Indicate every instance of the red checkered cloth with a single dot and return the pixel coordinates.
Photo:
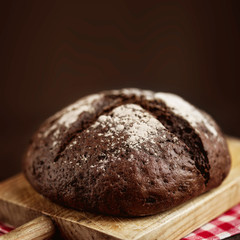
(226, 225)
(5, 228)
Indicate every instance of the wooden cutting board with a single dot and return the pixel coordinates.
(19, 203)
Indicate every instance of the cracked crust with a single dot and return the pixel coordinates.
(127, 152)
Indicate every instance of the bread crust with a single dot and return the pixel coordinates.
(127, 152)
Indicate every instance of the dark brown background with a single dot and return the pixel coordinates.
(52, 53)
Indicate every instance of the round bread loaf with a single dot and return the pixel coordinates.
(127, 152)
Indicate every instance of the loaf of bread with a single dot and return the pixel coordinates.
(127, 152)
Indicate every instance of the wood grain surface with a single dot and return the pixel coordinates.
(19, 203)
(38, 229)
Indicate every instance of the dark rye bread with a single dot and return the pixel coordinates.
(127, 152)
